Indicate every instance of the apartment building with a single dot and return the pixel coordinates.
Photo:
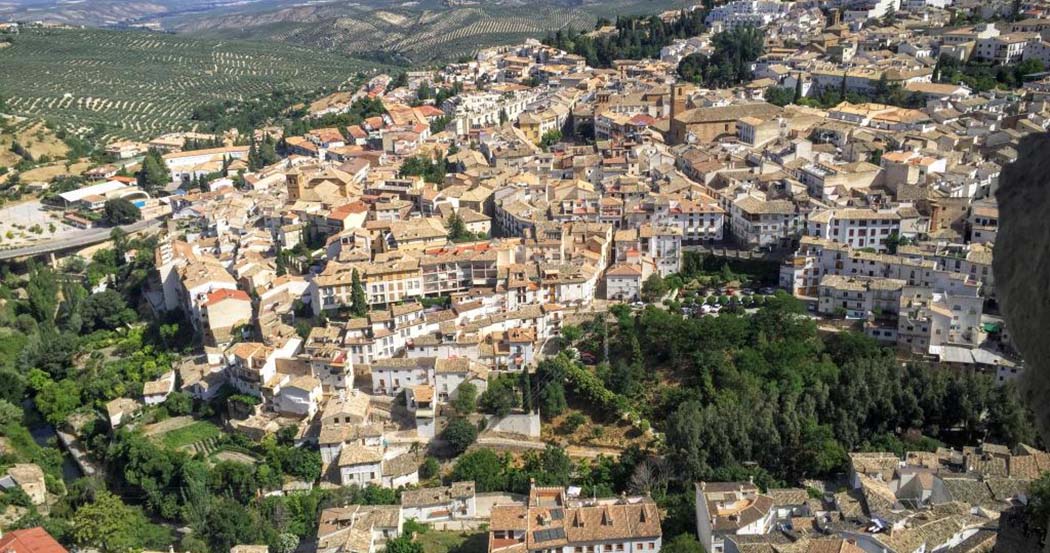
(857, 228)
(930, 319)
(859, 297)
(755, 222)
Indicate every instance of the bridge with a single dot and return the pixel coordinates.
(81, 239)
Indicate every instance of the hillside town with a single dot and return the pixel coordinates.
(364, 291)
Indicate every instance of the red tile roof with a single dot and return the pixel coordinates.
(224, 294)
(31, 540)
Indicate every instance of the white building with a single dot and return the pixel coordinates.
(747, 13)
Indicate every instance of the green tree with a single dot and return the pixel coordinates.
(779, 96)
(358, 299)
(430, 468)
(153, 174)
(403, 544)
(57, 400)
(466, 398)
(484, 467)
(120, 211)
(1038, 509)
(683, 543)
(500, 397)
(571, 333)
(110, 526)
(457, 229)
(653, 288)
(552, 399)
(550, 138)
(106, 310)
(460, 434)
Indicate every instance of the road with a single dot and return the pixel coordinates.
(84, 238)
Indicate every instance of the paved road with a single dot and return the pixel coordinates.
(83, 238)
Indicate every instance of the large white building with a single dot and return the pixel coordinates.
(747, 13)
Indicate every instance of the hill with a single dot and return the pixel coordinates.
(425, 32)
(138, 84)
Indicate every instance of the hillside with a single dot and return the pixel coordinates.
(36, 139)
(419, 33)
(139, 84)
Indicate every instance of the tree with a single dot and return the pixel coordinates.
(798, 89)
(110, 526)
(286, 543)
(460, 434)
(653, 288)
(683, 543)
(457, 229)
(430, 468)
(57, 400)
(230, 523)
(500, 397)
(42, 292)
(153, 174)
(571, 333)
(178, 403)
(1038, 509)
(552, 399)
(106, 310)
(466, 398)
(12, 385)
(120, 211)
(779, 95)
(358, 299)
(484, 467)
(550, 138)
(403, 544)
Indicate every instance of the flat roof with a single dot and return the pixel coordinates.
(100, 189)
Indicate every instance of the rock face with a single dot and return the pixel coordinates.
(1022, 266)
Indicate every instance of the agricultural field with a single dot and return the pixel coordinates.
(181, 432)
(139, 85)
(421, 33)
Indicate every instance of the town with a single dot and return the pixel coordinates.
(730, 291)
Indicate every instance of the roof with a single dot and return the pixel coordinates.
(734, 112)
(99, 189)
(30, 540)
(437, 496)
(225, 294)
(359, 455)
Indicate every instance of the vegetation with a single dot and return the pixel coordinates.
(460, 434)
(983, 76)
(635, 37)
(730, 64)
(120, 211)
(191, 434)
(142, 84)
(409, 34)
(432, 171)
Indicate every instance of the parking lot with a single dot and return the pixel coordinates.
(28, 222)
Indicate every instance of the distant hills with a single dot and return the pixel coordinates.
(413, 32)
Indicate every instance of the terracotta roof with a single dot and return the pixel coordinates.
(225, 294)
(31, 540)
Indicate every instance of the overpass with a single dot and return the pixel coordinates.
(79, 240)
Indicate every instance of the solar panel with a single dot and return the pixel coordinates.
(557, 533)
(557, 514)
